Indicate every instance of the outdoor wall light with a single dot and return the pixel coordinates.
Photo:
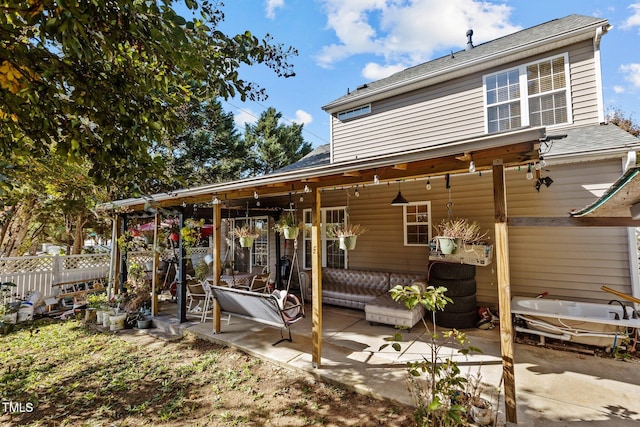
(399, 200)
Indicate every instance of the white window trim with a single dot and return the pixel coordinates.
(524, 91)
(323, 235)
(406, 223)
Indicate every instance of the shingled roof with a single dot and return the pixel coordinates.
(601, 140)
(557, 28)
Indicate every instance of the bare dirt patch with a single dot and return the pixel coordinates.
(78, 377)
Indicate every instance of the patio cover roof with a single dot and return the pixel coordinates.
(514, 147)
(618, 200)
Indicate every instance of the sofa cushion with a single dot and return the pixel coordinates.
(374, 281)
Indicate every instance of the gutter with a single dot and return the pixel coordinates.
(303, 175)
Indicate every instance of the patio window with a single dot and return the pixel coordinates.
(332, 256)
(354, 112)
(417, 223)
(259, 252)
(534, 94)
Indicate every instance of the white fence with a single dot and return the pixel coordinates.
(38, 273)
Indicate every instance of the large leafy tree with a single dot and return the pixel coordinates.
(274, 144)
(99, 81)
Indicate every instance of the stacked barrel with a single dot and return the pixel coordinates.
(460, 281)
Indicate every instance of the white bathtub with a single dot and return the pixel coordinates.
(586, 323)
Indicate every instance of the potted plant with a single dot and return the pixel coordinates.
(453, 233)
(228, 268)
(8, 312)
(95, 302)
(288, 226)
(190, 232)
(347, 233)
(246, 234)
(479, 409)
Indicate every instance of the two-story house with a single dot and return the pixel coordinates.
(546, 76)
(528, 105)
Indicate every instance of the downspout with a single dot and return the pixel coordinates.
(600, 31)
(632, 240)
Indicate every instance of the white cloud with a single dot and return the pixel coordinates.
(373, 71)
(302, 117)
(634, 19)
(618, 89)
(631, 73)
(408, 33)
(245, 116)
(272, 5)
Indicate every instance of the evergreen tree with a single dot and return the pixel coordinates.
(273, 144)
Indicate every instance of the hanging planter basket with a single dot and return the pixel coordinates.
(447, 245)
(246, 242)
(348, 243)
(290, 233)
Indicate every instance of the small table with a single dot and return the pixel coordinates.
(239, 280)
(385, 310)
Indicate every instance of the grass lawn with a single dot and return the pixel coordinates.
(55, 373)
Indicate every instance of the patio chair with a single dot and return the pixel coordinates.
(260, 283)
(200, 296)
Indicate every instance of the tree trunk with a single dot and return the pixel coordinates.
(78, 235)
(18, 228)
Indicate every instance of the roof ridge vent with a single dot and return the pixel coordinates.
(469, 41)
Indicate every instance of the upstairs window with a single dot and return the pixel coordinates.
(354, 112)
(535, 94)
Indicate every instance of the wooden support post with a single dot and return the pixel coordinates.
(504, 291)
(316, 282)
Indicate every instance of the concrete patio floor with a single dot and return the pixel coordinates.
(553, 388)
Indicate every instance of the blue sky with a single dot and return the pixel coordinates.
(345, 43)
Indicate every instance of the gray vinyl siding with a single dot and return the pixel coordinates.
(567, 262)
(450, 111)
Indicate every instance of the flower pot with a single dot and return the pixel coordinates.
(447, 246)
(143, 324)
(481, 415)
(10, 318)
(116, 322)
(106, 319)
(90, 315)
(348, 243)
(290, 233)
(246, 242)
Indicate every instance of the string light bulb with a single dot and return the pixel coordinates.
(529, 175)
(216, 201)
(472, 166)
(376, 180)
(542, 163)
(307, 189)
(429, 183)
(255, 195)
